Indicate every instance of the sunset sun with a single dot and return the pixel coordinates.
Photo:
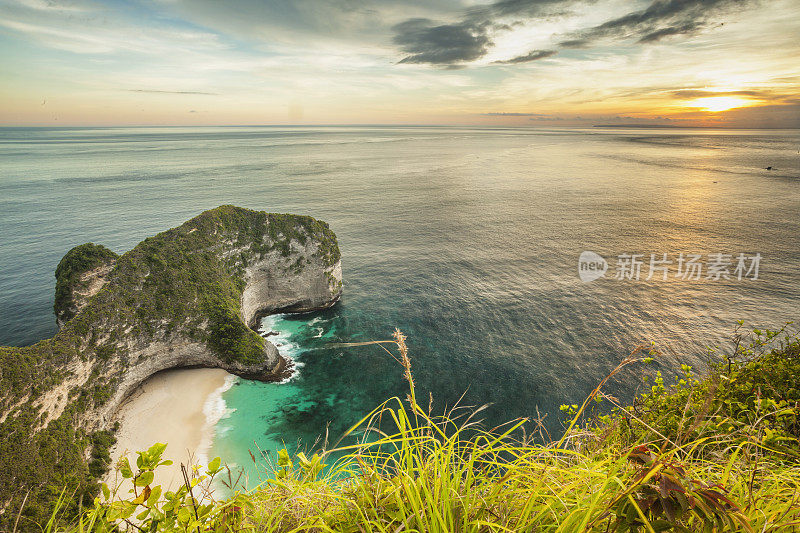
(719, 103)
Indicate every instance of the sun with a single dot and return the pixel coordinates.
(719, 103)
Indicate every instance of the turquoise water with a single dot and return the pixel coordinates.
(466, 239)
(279, 410)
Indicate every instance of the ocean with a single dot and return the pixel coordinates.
(467, 239)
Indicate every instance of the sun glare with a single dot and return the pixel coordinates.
(719, 103)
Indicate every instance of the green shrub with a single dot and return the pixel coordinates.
(750, 395)
(417, 472)
(75, 262)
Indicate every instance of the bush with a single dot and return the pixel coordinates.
(77, 261)
(749, 397)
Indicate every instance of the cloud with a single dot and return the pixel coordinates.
(155, 91)
(103, 32)
(500, 114)
(470, 38)
(773, 96)
(444, 44)
(533, 55)
(657, 35)
(662, 18)
(519, 9)
(702, 93)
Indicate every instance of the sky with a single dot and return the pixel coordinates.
(548, 63)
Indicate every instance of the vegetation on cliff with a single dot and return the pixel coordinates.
(182, 285)
(76, 262)
(713, 454)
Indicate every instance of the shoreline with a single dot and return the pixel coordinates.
(180, 407)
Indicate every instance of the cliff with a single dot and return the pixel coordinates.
(187, 297)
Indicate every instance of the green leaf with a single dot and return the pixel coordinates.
(145, 478)
(661, 525)
(283, 458)
(184, 515)
(128, 509)
(156, 450)
(155, 494)
(305, 464)
(125, 468)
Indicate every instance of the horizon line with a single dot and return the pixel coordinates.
(401, 125)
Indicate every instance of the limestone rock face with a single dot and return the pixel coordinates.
(273, 284)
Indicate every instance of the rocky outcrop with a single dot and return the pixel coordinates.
(80, 275)
(280, 263)
(190, 296)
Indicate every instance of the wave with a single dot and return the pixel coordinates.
(214, 410)
(281, 338)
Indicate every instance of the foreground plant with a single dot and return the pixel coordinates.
(411, 471)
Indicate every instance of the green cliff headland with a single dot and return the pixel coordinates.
(189, 296)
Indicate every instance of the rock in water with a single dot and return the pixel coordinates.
(189, 296)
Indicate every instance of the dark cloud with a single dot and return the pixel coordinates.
(657, 35)
(575, 43)
(523, 9)
(468, 39)
(702, 93)
(154, 91)
(444, 44)
(662, 18)
(530, 56)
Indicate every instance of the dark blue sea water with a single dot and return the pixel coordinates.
(466, 239)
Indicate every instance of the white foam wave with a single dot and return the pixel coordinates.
(281, 338)
(214, 410)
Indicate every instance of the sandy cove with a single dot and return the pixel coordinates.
(177, 407)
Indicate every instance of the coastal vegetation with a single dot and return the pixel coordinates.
(76, 262)
(714, 453)
(182, 287)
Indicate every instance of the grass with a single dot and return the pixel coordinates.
(412, 471)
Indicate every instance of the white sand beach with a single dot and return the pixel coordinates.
(179, 407)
